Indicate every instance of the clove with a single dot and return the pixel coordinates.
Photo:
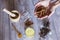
(28, 23)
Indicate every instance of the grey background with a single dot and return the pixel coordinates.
(26, 8)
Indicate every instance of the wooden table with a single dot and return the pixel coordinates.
(25, 6)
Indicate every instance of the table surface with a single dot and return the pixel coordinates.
(26, 7)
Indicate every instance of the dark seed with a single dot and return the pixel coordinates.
(46, 22)
(44, 32)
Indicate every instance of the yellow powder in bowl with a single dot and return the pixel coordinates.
(30, 32)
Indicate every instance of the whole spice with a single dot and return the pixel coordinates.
(44, 32)
(46, 22)
(41, 10)
(46, 29)
(28, 23)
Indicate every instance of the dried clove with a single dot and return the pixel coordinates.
(28, 23)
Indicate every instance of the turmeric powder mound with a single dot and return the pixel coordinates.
(29, 32)
(19, 35)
